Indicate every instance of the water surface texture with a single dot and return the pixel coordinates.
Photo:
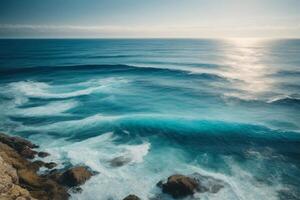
(228, 109)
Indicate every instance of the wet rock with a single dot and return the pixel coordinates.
(43, 154)
(179, 186)
(119, 161)
(50, 165)
(37, 164)
(16, 143)
(26, 152)
(75, 176)
(132, 197)
(160, 184)
(76, 189)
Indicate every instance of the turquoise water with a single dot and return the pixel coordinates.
(228, 109)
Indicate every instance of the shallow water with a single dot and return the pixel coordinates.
(228, 109)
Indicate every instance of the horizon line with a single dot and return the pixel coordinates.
(87, 38)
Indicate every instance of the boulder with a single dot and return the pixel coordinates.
(43, 154)
(26, 152)
(179, 186)
(36, 165)
(16, 143)
(29, 177)
(131, 197)
(119, 161)
(50, 165)
(75, 176)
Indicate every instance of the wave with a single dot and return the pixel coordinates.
(113, 56)
(22, 90)
(51, 109)
(188, 131)
(190, 71)
(42, 90)
(285, 100)
(156, 165)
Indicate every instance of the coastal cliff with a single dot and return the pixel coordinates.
(19, 177)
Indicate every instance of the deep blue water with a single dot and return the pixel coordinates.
(228, 109)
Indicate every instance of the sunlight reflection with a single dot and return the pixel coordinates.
(245, 66)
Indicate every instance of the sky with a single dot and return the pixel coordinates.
(149, 18)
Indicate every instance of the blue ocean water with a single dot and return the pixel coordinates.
(227, 109)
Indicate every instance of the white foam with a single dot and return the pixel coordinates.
(137, 152)
(23, 89)
(145, 170)
(43, 90)
(54, 108)
(72, 125)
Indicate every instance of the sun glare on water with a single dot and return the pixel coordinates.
(244, 61)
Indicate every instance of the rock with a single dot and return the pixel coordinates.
(29, 181)
(9, 188)
(179, 186)
(16, 143)
(160, 184)
(11, 157)
(29, 177)
(50, 165)
(119, 161)
(26, 152)
(43, 154)
(76, 189)
(75, 176)
(36, 165)
(19, 179)
(131, 197)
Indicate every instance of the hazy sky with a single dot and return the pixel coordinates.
(150, 18)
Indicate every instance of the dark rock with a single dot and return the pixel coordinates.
(27, 152)
(75, 176)
(43, 154)
(179, 186)
(16, 143)
(131, 197)
(50, 165)
(160, 184)
(119, 161)
(76, 189)
(36, 165)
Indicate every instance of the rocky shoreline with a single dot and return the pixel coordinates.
(20, 180)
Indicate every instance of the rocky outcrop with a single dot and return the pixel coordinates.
(132, 197)
(9, 183)
(179, 186)
(19, 177)
(43, 154)
(75, 176)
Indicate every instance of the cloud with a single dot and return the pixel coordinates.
(27, 30)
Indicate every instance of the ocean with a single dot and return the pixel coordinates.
(228, 109)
